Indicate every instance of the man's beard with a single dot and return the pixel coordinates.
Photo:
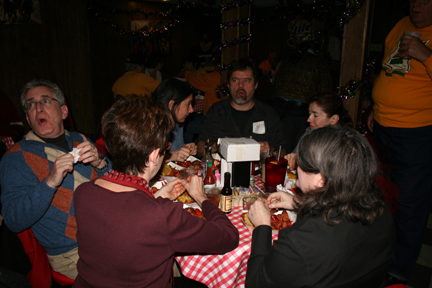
(241, 100)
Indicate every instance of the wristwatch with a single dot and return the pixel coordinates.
(102, 158)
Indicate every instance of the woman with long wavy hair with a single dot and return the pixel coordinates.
(344, 234)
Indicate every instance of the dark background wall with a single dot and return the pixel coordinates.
(85, 56)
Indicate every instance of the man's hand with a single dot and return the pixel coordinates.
(413, 47)
(89, 154)
(259, 213)
(171, 191)
(264, 146)
(61, 167)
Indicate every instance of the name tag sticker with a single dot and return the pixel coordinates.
(258, 127)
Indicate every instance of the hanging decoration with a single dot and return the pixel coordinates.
(234, 4)
(350, 89)
(236, 41)
(181, 5)
(324, 10)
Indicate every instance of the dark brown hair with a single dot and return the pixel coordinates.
(349, 168)
(132, 128)
(332, 104)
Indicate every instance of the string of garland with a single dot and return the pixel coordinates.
(138, 33)
(170, 11)
(236, 41)
(323, 10)
(349, 90)
(235, 4)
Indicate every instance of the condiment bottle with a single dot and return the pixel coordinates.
(210, 179)
(207, 158)
(226, 194)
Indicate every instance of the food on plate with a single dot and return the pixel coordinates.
(196, 212)
(278, 221)
(291, 174)
(185, 198)
(167, 170)
(188, 164)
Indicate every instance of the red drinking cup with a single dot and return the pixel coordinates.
(275, 173)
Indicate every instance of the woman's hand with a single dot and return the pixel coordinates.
(171, 191)
(195, 187)
(281, 200)
(180, 155)
(292, 160)
(259, 213)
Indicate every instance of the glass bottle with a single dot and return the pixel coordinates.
(207, 158)
(226, 194)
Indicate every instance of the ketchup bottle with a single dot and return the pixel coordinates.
(209, 179)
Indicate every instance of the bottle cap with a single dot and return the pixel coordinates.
(209, 164)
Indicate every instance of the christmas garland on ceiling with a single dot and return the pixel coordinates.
(324, 10)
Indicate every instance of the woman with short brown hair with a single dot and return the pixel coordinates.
(128, 237)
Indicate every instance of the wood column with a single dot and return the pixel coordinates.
(235, 52)
(352, 58)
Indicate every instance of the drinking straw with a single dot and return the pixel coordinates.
(279, 152)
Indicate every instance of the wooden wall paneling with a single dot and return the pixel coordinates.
(352, 56)
(235, 52)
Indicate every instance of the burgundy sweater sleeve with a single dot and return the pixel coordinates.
(192, 235)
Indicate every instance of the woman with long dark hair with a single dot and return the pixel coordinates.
(177, 97)
(344, 234)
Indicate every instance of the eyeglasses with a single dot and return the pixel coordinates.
(169, 146)
(421, 1)
(44, 102)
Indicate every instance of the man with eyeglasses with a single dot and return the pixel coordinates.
(402, 127)
(38, 175)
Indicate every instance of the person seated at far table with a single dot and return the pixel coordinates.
(325, 109)
(344, 234)
(130, 238)
(38, 175)
(135, 81)
(177, 97)
(242, 115)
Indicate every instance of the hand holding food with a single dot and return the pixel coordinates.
(292, 160)
(281, 200)
(171, 190)
(259, 213)
(195, 188)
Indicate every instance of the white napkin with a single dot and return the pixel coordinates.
(75, 153)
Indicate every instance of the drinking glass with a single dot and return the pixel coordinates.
(275, 173)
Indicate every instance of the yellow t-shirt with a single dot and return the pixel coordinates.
(402, 93)
(207, 83)
(135, 83)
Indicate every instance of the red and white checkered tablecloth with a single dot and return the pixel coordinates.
(222, 271)
(198, 105)
(7, 140)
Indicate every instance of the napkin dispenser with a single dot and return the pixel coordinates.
(237, 154)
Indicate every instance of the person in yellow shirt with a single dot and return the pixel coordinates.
(135, 81)
(206, 83)
(402, 126)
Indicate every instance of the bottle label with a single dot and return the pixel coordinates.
(226, 203)
(208, 186)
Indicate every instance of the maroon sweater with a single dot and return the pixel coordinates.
(129, 239)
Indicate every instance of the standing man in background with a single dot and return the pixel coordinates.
(402, 125)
